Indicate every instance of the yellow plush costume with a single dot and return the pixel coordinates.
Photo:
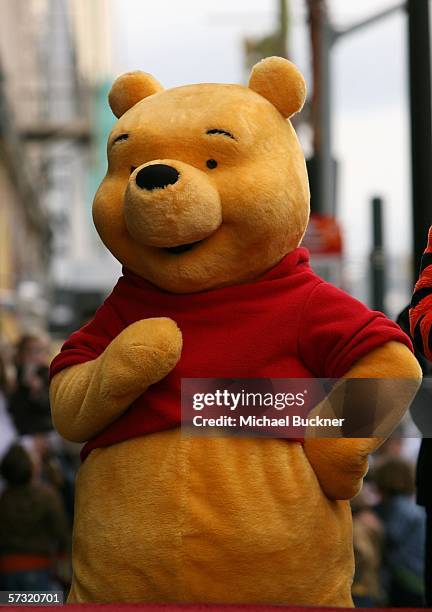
(161, 518)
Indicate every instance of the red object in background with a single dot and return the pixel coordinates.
(323, 235)
(323, 239)
(420, 313)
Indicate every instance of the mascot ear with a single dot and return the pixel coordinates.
(281, 83)
(130, 88)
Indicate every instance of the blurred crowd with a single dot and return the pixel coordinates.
(389, 530)
(37, 472)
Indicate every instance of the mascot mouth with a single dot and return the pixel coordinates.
(182, 248)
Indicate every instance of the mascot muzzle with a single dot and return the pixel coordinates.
(170, 204)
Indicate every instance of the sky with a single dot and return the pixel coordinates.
(190, 41)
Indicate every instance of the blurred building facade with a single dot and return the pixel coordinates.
(55, 60)
(24, 221)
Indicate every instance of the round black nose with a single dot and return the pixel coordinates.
(156, 176)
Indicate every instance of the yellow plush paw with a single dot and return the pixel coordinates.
(87, 397)
(145, 352)
(340, 464)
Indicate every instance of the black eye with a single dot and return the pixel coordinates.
(132, 169)
(211, 163)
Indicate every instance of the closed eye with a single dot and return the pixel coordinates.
(221, 132)
(120, 138)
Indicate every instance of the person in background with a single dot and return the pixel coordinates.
(29, 403)
(404, 532)
(33, 526)
(368, 537)
(419, 320)
(7, 429)
(57, 469)
(420, 312)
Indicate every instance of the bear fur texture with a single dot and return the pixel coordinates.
(207, 192)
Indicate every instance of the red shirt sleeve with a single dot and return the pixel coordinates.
(90, 341)
(337, 330)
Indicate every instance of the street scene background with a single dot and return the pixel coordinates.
(58, 59)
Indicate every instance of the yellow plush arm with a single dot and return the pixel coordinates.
(340, 464)
(85, 398)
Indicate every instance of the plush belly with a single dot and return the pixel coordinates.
(163, 518)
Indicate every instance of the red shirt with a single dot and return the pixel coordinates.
(288, 324)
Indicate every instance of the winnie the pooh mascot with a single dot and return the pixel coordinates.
(205, 203)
